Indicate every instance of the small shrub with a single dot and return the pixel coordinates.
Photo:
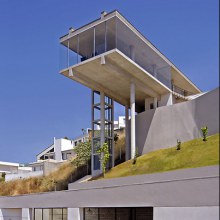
(178, 147)
(204, 133)
(104, 156)
(3, 176)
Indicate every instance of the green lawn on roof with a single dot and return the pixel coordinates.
(195, 153)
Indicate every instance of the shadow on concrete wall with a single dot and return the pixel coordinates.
(160, 128)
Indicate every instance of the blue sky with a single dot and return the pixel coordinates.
(36, 103)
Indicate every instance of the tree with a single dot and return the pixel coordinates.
(116, 137)
(104, 156)
(83, 154)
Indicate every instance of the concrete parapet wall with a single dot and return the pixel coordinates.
(182, 188)
(11, 214)
(161, 127)
(50, 167)
(10, 177)
(186, 213)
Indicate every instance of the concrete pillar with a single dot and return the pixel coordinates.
(127, 151)
(146, 104)
(132, 103)
(155, 102)
(74, 214)
(26, 213)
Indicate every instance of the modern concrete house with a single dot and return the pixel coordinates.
(119, 64)
(110, 56)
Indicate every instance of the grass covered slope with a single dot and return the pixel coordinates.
(195, 153)
(58, 180)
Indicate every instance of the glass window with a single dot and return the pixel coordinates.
(111, 34)
(100, 46)
(86, 44)
(106, 213)
(57, 214)
(91, 213)
(50, 214)
(96, 162)
(47, 214)
(38, 214)
(123, 213)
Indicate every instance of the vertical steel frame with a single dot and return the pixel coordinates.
(102, 129)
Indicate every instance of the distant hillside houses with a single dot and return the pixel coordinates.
(51, 157)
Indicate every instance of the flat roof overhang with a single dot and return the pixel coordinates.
(178, 77)
(112, 72)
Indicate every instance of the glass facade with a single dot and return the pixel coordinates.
(145, 213)
(112, 34)
(50, 214)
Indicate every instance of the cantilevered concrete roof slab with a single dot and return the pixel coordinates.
(112, 73)
(120, 88)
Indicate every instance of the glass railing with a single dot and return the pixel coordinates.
(112, 34)
(181, 91)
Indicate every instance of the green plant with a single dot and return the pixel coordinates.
(204, 133)
(2, 179)
(83, 154)
(104, 156)
(135, 156)
(178, 147)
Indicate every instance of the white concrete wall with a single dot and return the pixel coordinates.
(66, 144)
(121, 121)
(10, 214)
(186, 213)
(6, 168)
(75, 214)
(10, 177)
(57, 150)
(166, 100)
(24, 169)
(26, 214)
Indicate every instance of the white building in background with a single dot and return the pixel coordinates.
(47, 161)
(14, 170)
(119, 124)
(11, 168)
(62, 148)
(60, 151)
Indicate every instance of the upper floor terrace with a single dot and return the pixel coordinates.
(113, 41)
